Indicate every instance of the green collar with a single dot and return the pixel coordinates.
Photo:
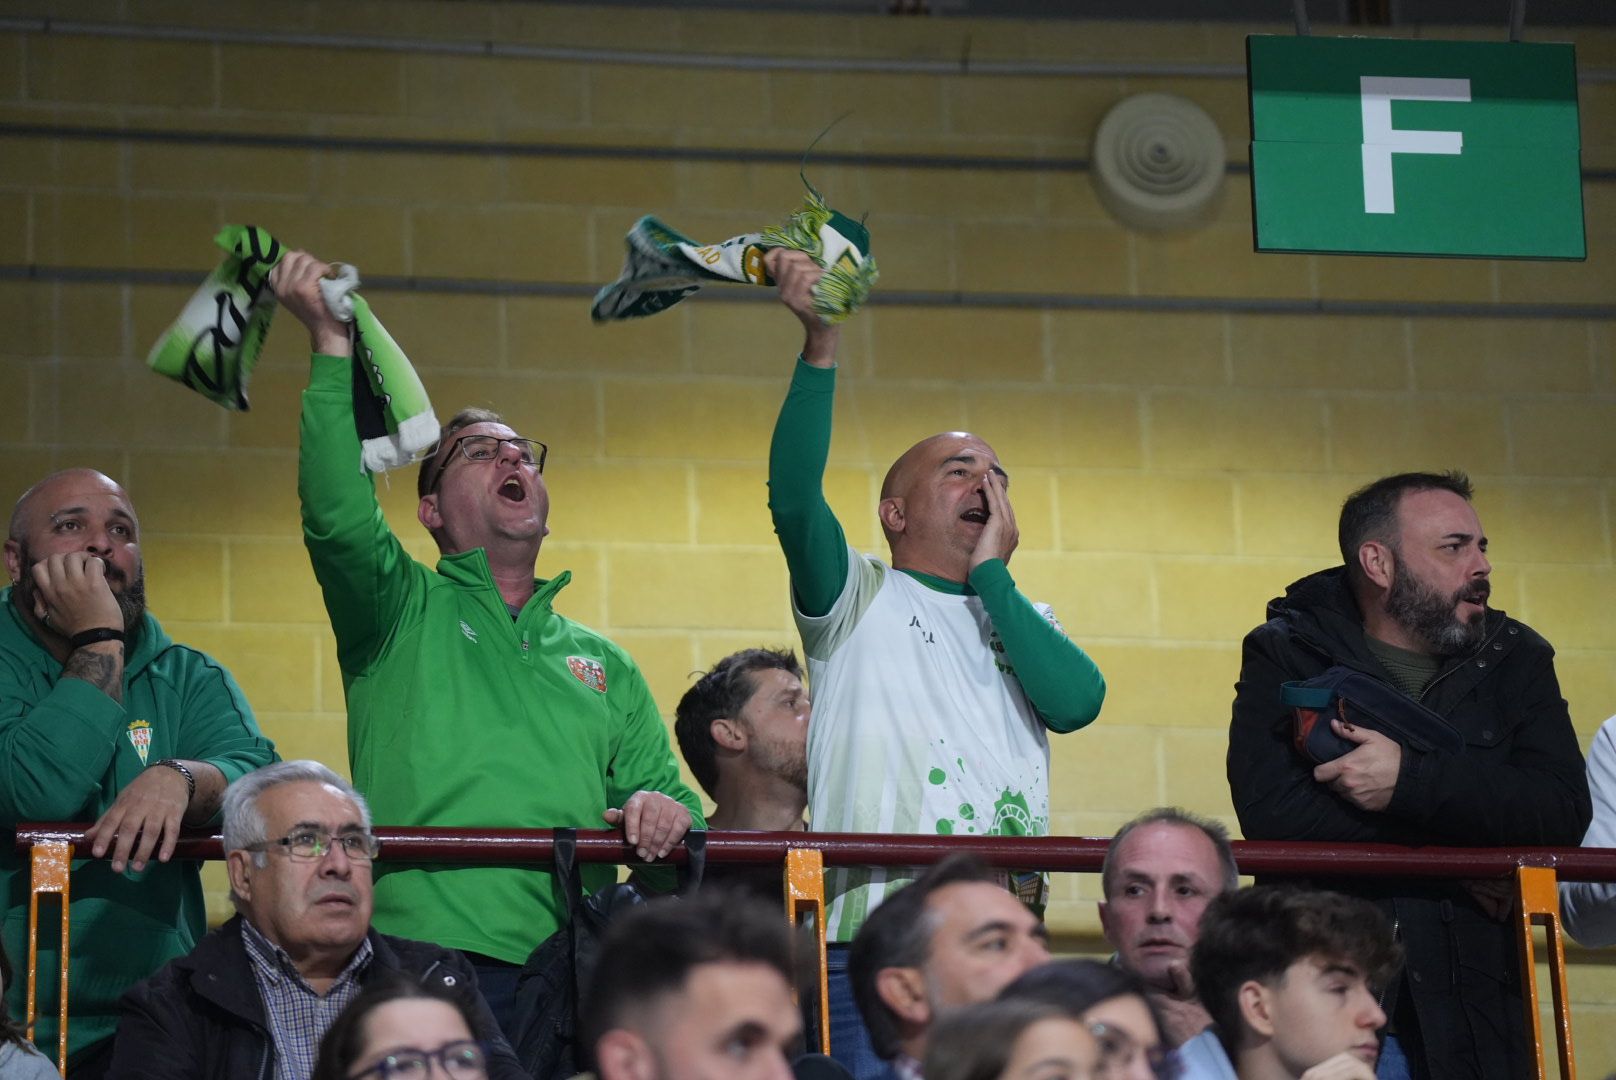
(942, 585)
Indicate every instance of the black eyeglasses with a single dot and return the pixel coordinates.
(306, 845)
(462, 1059)
(486, 448)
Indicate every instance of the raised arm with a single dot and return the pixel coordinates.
(811, 537)
(361, 566)
(1062, 682)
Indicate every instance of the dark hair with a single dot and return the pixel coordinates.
(1259, 932)
(898, 934)
(976, 1042)
(1172, 815)
(719, 694)
(344, 1041)
(1370, 513)
(650, 951)
(1078, 985)
(428, 475)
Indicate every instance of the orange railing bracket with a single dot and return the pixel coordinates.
(1540, 903)
(50, 861)
(805, 907)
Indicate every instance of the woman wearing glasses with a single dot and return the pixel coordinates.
(399, 1030)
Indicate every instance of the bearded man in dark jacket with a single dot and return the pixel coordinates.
(1409, 608)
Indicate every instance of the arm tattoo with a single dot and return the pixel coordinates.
(101, 670)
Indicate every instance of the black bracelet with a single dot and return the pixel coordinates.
(180, 767)
(93, 637)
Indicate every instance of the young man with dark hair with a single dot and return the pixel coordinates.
(1291, 979)
(743, 730)
(696, 987)
(954, 936)
(1409, 610)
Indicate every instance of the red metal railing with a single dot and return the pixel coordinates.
(1535, 871)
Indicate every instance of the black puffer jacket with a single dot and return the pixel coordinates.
(1520, 780)
(201, 1016)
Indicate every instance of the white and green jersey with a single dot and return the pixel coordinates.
(920, 725)
(931, 697)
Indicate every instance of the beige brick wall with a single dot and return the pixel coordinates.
(1174, 469)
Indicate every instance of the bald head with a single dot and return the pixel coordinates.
(68, 515)
(66, 481)
(934, 508)
(901, 477)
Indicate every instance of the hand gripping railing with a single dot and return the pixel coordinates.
(805, 855)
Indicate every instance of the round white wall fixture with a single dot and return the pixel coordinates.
(1157, 162)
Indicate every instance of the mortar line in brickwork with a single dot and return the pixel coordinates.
(488, 48)
(1238, 305)
(499, 148)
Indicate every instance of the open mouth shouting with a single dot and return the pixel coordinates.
(976, 515)
(512, 490)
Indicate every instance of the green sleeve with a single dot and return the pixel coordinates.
(1060, 680)
(362, 568)
(219, 725)
(55, 749)
(810, 536)
(643, 761)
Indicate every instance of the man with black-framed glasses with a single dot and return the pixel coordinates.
(471, 700)
(255, 996)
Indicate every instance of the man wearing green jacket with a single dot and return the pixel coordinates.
(103, 717)
(471, 701)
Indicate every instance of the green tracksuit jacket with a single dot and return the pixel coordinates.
(66, 751)
(459, 715)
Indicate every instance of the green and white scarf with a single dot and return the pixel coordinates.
(214, 344)
(663, 266)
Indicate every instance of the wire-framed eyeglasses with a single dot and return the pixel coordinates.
(308, 844)
(476, 448)
(463, 1059)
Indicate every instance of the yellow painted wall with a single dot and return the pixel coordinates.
(1173, 470)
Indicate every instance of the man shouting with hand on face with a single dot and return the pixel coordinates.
(103, 717)
(935, 680)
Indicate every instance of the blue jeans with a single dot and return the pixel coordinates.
(849, 1039)
(496, 979)
(1393, 1063)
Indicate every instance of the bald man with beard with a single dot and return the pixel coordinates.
(935, 680)
(103, 717)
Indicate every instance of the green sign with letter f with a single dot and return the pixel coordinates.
(1375, 146)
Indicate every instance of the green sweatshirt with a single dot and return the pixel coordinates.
(66, 751)
(460, 716)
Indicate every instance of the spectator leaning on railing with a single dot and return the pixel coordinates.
(471, 700)
(103, 716)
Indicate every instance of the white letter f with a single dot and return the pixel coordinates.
(1381, 140)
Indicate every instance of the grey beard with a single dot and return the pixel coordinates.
(1428, 615)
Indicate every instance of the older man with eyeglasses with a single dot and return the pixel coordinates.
(471, 700)
(255, 996)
